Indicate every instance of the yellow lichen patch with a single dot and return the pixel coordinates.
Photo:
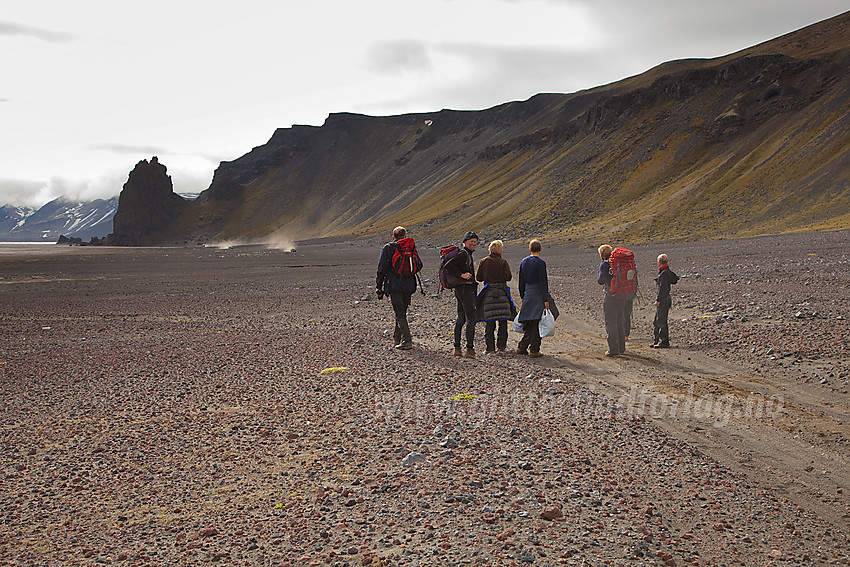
(463, 397)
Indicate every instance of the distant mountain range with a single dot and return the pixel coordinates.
(752, 143)
(60, 217)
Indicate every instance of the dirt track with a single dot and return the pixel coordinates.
(169, 406)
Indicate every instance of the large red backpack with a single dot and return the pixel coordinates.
(624, 282)
(405, 260)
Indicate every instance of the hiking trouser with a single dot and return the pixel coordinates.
(401, 301)
(530, 336)
(627, 314)
(615, 323)
(660, 326)
(465, 295)
(490, 335)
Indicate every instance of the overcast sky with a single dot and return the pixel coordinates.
(90, 87)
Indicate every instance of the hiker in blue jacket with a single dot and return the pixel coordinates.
(399, 287)
(614, 307)
(534, 291)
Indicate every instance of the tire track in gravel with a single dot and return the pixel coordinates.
(773, 430)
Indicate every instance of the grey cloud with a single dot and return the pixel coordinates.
(679, 29)
(10, 28)
(22, 192)
(502, 74)
(400, 56)
(127, 149)
(143, 150)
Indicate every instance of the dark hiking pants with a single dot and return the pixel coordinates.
(530, 336)
(465, 295)
(490, 338)
(660, 326)
(401, 301)
(615, 323)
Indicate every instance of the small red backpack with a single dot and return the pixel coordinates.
(405, 260)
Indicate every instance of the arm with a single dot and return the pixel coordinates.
(506, 272)
(604, 273)
(479, 275)
(544, 282)
(383, 271)
(522, 277)
(461, 266)
(663, 286)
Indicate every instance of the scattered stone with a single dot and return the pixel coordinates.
(413, 458)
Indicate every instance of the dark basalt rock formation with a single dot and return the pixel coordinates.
(147, 206)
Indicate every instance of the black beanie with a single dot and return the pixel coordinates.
(469, 236)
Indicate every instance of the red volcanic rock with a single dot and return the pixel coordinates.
(208, 532)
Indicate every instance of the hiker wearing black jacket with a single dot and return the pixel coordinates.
(399, 287)
(463, 268)
(663, 302)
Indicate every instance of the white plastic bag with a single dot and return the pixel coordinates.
(547, 324)
(517, 325)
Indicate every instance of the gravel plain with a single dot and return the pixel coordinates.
(243, 406)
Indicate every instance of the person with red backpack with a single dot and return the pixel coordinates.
(398, 267)
(618, 277)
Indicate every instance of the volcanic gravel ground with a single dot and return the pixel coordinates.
(245, 407)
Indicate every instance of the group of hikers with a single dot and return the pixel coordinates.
(398, 272)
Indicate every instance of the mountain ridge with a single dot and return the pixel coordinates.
(59, 217)
(750, 143)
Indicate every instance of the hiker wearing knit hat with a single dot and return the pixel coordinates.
(462, 269)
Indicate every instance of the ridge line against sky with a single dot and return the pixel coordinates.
(91, 87)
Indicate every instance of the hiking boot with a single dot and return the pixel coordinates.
(501, 350)
(470, 353)
(535, 354)
(609, 353)
(489, 352)
(521, 351)
(405, 345)
(457, 352)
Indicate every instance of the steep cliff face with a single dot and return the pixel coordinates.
(754, 142)
(147, 207)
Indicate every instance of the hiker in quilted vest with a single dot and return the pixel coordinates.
(494, 304)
